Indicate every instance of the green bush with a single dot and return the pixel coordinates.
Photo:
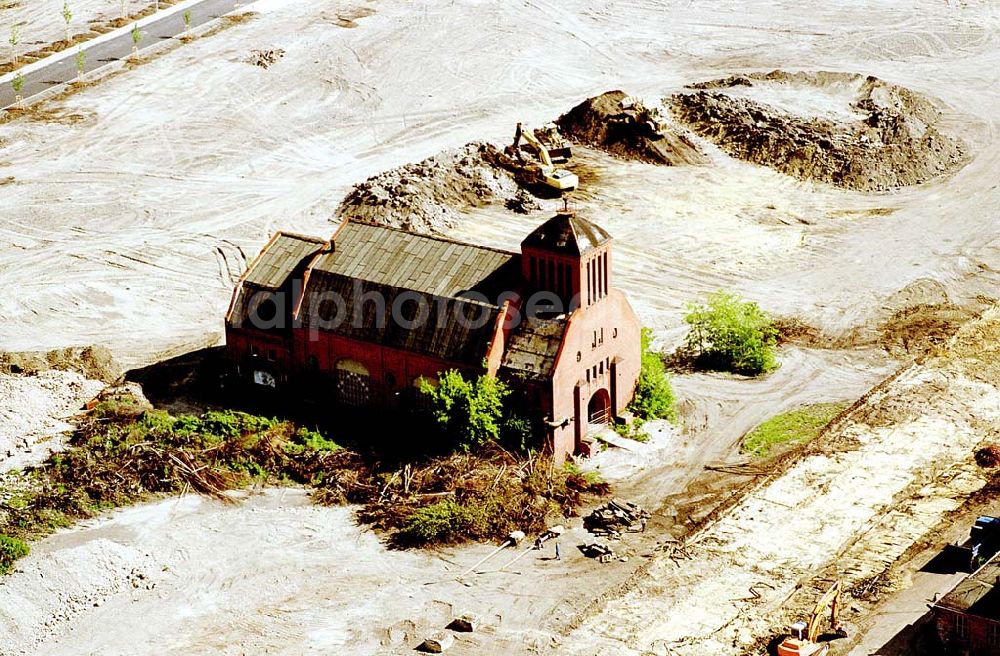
(304, 439)
(468, 412)
(730, 334)
(654, 396)
(442, 522)
(10, 550)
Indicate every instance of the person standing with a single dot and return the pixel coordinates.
(557, 551)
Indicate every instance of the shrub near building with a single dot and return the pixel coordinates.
(731, 334)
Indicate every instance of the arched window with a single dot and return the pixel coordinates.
(353, 384)
(421, 399)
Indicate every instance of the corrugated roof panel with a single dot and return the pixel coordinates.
(443, 335)
(279, 259)
(426, 264)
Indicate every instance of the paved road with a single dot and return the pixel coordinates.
(111, 50)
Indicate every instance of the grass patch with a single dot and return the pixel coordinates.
(789, 429)
(10, 550)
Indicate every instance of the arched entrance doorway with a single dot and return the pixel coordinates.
(599, 407)
(353, 384)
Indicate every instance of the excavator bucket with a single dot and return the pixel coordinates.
(560, 155)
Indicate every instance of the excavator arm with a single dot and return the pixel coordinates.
(543, 153)
(830, 598)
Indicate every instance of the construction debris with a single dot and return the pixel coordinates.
(602, 552)
(264, 58)
(438, 642)
(467, 623)
(616, 517)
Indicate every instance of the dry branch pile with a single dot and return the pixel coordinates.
(264, 58)
(124, 451)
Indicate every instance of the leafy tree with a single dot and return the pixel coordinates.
(136, 38)
(81, 61)
(469, 412)
(654, 396)
(731, 334)
(15, 37)
(67, 16)
(17, 83)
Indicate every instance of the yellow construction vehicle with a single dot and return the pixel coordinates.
(559, 179)
(804, 635)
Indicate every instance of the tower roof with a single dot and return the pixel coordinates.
(567, 233)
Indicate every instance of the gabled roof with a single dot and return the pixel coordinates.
(279, 259)
(567, 233)
(431, 265)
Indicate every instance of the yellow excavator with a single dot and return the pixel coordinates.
(559, 179)
(804, 635)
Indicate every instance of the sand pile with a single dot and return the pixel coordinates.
(44, 593)
(94, 362)
(35, 407)
(618, 124)
(844, 129)
(431, 195)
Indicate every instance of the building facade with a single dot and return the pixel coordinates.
(967, 618)
(370, 313)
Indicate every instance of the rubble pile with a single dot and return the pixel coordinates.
(601, 552)
(622, 126)
(616, 517)
(264, 58)
(430, 196)
(886, 137)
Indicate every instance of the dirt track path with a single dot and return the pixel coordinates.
(126, 226)
(884, 478)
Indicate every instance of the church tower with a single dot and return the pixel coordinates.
(570, 257)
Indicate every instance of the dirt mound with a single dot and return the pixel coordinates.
(33, 408)
(848, 130)
(93, 362)
(921, 328)
(615, 123)
(429, 196)
(988, 456)
(49, 592)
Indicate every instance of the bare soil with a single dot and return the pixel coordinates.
(431, 196)
(604, 123)
(875, 135)
(93, 362)
(130, 227)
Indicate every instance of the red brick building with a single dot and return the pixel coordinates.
(967, 619)
(373, 310)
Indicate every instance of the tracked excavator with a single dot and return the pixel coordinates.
(558, 179)
(803, 640)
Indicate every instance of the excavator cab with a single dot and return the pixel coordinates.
(803, 640)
